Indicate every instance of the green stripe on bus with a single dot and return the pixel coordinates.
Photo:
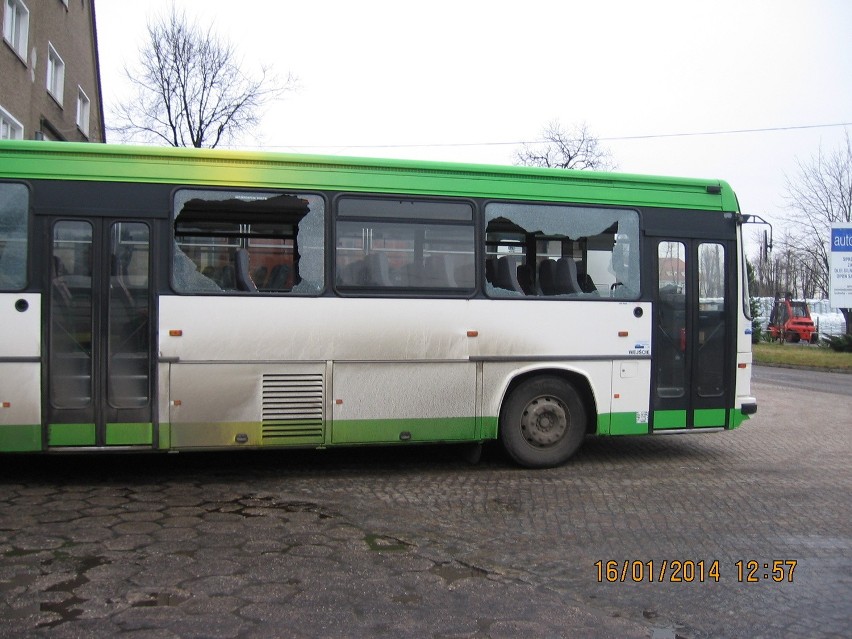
(627, 424)
(489, 428)
(71, 435)
(164, 437)
(20, 438)
(664, 419)
(436, 429)
(737, 418)
(129, 434)
(603, 424)
(710, 417)
(211, 167)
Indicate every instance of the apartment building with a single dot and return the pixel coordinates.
(50, 86)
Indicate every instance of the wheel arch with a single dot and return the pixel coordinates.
(578, 380)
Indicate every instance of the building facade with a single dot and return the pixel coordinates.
(50, 86)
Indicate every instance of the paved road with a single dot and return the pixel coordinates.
(807, 380)
(416, 542)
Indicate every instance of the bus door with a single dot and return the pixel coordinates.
(692, 331)
(98, 359)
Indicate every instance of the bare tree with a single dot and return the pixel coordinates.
(190, 89)
(787, 270)
(574, 149)
(769, 276)
(819, 196)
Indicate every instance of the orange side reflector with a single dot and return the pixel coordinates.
(175, 332)
(473, 333)
(338, 401)
(617, 396)
(7, 404)
(742, 365)
(176, 402)
(623, 333)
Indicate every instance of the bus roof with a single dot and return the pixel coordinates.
(251, 169)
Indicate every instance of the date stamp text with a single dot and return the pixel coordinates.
(691, 571)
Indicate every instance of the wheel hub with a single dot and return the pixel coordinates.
(544, 422)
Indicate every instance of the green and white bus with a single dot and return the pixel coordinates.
(181, 299)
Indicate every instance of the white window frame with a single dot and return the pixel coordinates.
(55, 74)
(16, 26)
(84, 106)
(10, 128)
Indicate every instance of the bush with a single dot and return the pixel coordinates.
(841, 343)
(757, 332)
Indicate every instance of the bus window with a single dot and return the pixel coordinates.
(129, 315)
(670, 342)
(13, 236)
(710, 379)
(246, 242)
(405, 244)
(558, 251)
(71, 319)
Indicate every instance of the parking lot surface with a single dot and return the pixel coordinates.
(417, 542)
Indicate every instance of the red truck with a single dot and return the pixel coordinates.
(791, 320)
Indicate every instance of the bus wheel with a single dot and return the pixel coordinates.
(543, 422)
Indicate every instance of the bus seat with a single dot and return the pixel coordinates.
(507, 274)
(490, 269)
(259, 276)
(587, 284)
(526, 279)
(241, 269)
(409, 274)
(465, 275)
(224, 277)
(439, 271)
(351, 274)
(378, 270)
(566, 276)
(278, 278)
(547, 277)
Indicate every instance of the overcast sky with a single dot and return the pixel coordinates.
(455, 80)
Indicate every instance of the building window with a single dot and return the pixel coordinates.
(10, 128)
(83, 107)
(55, 74)
(16, 26)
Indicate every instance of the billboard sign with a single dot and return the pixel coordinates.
(840, 277)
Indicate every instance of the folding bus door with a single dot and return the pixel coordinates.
(98, 377)
(693, 330)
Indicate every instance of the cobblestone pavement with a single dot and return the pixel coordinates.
(417, 543)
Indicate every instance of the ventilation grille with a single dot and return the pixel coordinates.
(292, 409)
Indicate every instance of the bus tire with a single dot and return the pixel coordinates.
(543, 422)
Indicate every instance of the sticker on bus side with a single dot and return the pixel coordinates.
(640, 348)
